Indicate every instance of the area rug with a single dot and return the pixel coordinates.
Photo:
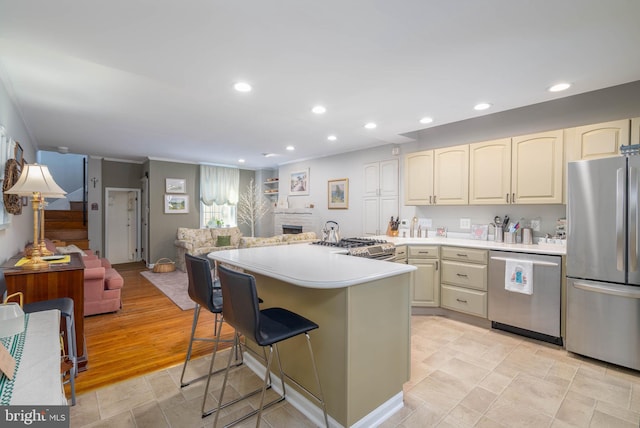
(174, 285)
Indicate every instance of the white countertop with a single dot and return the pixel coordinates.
(312, 266)
(551, 249)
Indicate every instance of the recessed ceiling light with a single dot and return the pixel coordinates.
(560, 87)
(291, 148)
(332, 138)
(319, 109)
(371, 125)
(426, 120)
(482, 106)
(241, 160)
(242, 87)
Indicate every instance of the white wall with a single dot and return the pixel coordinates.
(14, 238)
(348, 165)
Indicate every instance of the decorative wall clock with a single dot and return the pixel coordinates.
(12, 203)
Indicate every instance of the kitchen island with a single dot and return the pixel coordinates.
(362, 306)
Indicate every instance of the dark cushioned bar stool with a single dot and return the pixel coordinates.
(265, 327)
(205, 292)
(65, 306)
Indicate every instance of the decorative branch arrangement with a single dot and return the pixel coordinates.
(251, 206)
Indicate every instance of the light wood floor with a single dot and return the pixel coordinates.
(149, 333)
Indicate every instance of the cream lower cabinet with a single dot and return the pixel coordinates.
(425, 288)
(463, 280)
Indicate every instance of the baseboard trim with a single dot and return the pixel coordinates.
(313, 412)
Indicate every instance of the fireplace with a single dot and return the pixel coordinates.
(289, 228)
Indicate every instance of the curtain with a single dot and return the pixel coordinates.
(219, 185)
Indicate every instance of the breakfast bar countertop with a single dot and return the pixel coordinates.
(312, 266)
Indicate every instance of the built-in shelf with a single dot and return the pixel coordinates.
(271, 191)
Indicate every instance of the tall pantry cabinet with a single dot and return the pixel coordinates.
(380, 200)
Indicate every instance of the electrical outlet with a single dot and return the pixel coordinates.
(465, 223)
(535, 225)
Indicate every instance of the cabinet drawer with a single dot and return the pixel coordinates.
(464, 300)
(464, 254)
(401, 251)
(464, 274)
(422, 252)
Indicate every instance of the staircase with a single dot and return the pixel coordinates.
(67, 226)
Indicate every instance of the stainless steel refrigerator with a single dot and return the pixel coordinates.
(603, 278)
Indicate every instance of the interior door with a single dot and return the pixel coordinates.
(122, 216)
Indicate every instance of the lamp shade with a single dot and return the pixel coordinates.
(36, 179)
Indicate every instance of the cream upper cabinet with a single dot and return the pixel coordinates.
(537, 162)
(451, 175)
(490, 172)
(635, 130)
(418, 178)
(597, 141)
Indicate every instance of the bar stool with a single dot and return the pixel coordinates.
(205, 292)
(266, 327)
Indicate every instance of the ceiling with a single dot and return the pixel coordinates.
(154, 79)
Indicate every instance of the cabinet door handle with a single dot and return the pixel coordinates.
(430, 199)
(461, 300)
(507, 198)
(462, 255)
(513, 198)
(423, 252)
(437, 264)
(463, 275)
(434, 200)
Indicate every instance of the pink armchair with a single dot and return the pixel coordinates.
(102, 286)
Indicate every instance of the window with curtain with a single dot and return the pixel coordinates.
(219, 188)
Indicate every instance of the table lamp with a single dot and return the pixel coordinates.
(36, 181)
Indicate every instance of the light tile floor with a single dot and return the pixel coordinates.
(461, 376)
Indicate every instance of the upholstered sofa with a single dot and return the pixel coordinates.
(102, 283)
(102, 286)
(284, 239)
(198, 242)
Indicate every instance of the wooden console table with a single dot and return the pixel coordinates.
(59, 280)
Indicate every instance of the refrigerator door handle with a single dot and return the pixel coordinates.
(620, 204)
(632, 292)
(633, 219)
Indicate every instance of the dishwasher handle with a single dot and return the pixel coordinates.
(535, 262)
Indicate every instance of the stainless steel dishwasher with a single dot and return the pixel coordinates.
(536, 315)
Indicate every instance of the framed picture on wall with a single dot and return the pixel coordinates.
(175, 185)
(299, 184)
(176, 204)
(338, 192)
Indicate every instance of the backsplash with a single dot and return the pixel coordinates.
(450, 216)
